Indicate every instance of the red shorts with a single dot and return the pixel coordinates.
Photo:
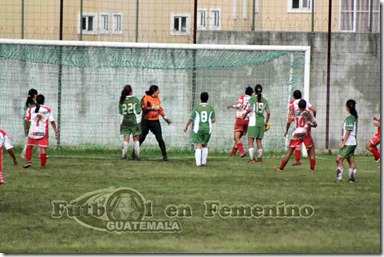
(375, 140)
(42, 142)
(307, 140)
(241, 126)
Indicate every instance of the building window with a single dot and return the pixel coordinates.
(256, 6)
(234, 10)
(299, 5)
(201, 19)
(359, 16)
(117, 23)
(87, 23)
(245, 9)
(215, 19)
(180, 24)
(104, 23)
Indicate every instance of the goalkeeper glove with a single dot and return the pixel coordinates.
(267, 126)
(168, 121)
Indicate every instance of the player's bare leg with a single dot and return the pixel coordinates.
(259, 150)
(251, 150)
(286, 159)
(236, 139)
(340, 168)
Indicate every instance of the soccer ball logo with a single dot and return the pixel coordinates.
(125, 205)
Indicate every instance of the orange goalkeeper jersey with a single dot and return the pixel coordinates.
(148, 102)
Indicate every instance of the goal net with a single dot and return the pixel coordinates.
(82, 82)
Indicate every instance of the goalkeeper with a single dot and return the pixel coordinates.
(151, 106)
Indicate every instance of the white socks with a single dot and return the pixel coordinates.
(251, 153)
(198, 157)
(260, 153)
(350, 172)
(137, 149)
(204, 156)
(125, 149)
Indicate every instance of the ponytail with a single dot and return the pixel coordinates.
(39, 101)
(351, 104)
(258, 90)
(31, 94)
(127, 90)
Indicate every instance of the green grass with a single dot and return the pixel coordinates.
(346, 216)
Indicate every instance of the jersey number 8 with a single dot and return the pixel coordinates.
(204, 116)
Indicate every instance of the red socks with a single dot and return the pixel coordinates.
(282, 165)
(241, 149)
(375, 153)
(234, 150)
(297, 155)
(28, 154)
(313, 163)
(43, 159)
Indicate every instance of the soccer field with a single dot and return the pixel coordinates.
(345, 218)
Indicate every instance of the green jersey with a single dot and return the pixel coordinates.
(202, 116)
(350, 124)
(130, 109)
(26, 107)
(256, 116)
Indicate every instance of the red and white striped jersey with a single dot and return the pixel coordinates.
(241, 106)
(4, 140)
(39, 121)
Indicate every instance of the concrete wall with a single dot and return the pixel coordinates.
(355, 73)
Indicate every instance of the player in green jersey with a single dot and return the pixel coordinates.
(257, 106)
(130, 108)
(31, 101)
(202, 116)
(348, 143)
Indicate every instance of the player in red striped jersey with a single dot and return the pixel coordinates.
(241, 125)
(5, 142)
(375, 140)
(292, 108)
(302, 134)
(37, 120)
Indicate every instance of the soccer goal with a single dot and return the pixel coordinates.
(82, 82)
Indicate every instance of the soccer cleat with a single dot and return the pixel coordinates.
(296, 164)
(232, 155)
(352, 178)
(377, 160)
(243, 155)
(43, 167)
(339, 175)
(22, 156)
(259, 160)
(1, 181)
(27, 165)
(165, 158)
(251, 161)
(278, 170)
